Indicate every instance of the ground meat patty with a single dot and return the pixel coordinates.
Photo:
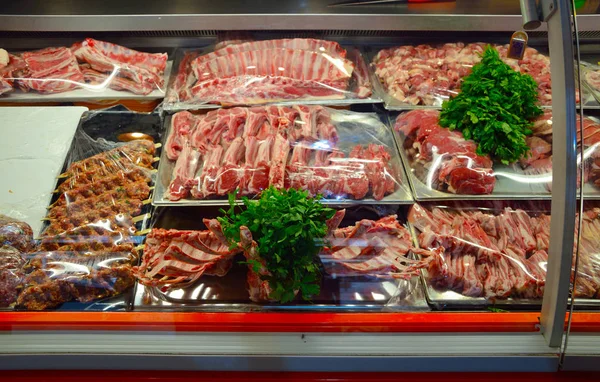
(15, 233)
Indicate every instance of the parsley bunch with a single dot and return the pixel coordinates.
(289, 228)
(494, 108)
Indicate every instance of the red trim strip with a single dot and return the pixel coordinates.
(272, 322)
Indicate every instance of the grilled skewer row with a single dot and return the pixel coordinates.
(119, 222)
(95, 174)
(130, 153)
(86, 238)
(107, 204)
(105, 258)
(127, 181)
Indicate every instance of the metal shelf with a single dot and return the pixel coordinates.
(178, 15)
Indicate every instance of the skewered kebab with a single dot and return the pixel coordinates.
(132, 152)
(43, 292)
(45, 260)
(96, 237)
(106, 204)
(90, 246)
(120, 222)
(95, 173)
(127, 181)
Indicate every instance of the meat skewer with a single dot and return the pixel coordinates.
(111, 200)
(135, 152)
(128, 180)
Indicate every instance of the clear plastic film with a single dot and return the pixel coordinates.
(341, 155)
(57, 277)
(88, 69)
(477, 254)
(241, 72)
(97, 216)
(445, 165)
(428, 75)
(16, 238)
(190, 265)
(591, 79)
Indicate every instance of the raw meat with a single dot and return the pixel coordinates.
(253, 148)
(592, 77)
(175, 258)
(140, 67)
(50, 70)
(450, 162)
(373, 248)
(483, 255)
(270, 70)
(94, 77)
(428, 75)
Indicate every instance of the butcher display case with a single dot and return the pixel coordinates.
(300, 186)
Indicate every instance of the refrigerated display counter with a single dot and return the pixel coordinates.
(295, 187)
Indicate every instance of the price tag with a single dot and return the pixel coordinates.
(517, 46)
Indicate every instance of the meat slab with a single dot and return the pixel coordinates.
(250, 149)
(449, 161)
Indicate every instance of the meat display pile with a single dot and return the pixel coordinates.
(88, 247)
(592, 77)
(501, 255)
(176, 259)
(60, 69)
(250, 149)
(58, 277)
(370, 248)
(588, 275)
(447, 161)
(16, 238)
(539, 159)
(479, 254)
(251, 72)
(428, 75)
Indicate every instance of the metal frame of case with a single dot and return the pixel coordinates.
(316, 341)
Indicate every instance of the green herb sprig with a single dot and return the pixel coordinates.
(494, 108)
(289, 227)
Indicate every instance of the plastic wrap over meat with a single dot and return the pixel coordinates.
(481, 253)
(16, 234)
(5, 85)
(591, 78)
(538, 162)
(370, 248)
(304, 147)
(239, 72)
(429, 75)
(447, 161)
(175, 258)
(100, 197)
(57, 277)
(91, 65)
(11, 275)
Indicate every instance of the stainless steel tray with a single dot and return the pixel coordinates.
(371, 130)
(354, 54)
(511, 181)
(449, 300)
(228, 293)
